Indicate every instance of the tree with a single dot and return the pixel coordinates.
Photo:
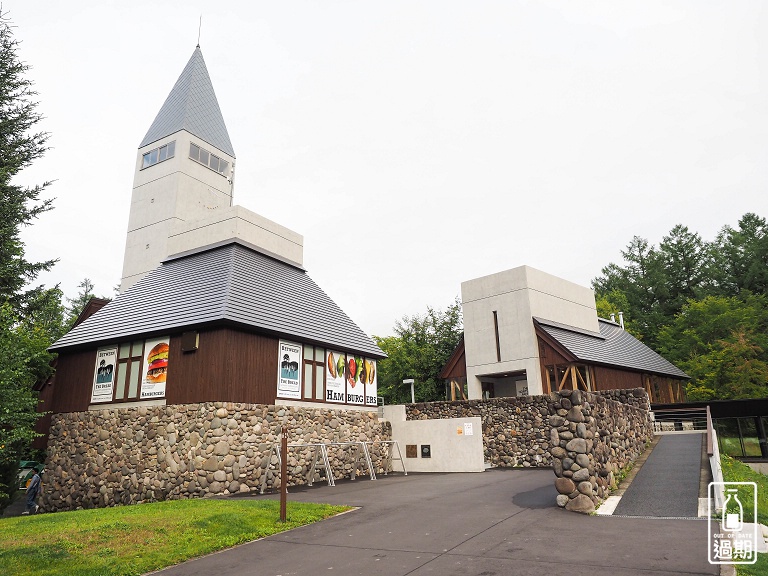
(78, 303)
(19, 147)
(419, 349)
(722, 343)
(740, 257)
(28, 315)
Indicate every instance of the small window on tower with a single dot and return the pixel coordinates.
(208, 159)
(158, 155)
(194, 152)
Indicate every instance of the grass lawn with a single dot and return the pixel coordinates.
(132, 540)
(735, 471)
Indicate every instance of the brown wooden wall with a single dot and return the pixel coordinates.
(74, 381)
(616, 379)
(228, 366)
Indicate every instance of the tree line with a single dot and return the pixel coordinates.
(702, 305)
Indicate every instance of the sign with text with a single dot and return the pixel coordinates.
(335, 382)
(104, 375)
(289, 370)
(371, 383)
(733, 540)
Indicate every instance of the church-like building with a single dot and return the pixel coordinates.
(214, 303)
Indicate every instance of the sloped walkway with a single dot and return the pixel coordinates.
(667, 486)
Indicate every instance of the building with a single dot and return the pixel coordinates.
(527, 333)
(215, 304)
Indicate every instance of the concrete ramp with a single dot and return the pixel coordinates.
(667, 486)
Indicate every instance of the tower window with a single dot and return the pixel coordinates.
(160, 154)
(208, 159)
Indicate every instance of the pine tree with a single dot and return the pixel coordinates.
(28, 315)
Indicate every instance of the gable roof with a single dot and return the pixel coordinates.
(192, 106)
(231, 284)
(613, 346)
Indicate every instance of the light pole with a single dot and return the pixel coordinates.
(410, 381)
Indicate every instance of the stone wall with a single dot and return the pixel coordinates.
(589, 438)
(636, 397)
(145, 454)
(594, 439)
(515, 430)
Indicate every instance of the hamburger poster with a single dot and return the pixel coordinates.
(155, 368)
(335, 382)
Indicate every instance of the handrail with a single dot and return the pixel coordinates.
(710, 448)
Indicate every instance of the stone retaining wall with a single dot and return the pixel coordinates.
(589, 438)
(515, 430)
(145, 454)
(594, 439)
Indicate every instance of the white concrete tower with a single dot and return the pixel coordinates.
(184, 171)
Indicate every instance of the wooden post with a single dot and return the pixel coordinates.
(283, 474)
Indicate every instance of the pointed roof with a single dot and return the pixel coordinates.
(230, 285)
(613, 346)
(192, 106)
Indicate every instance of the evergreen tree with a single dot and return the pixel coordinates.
(29, 316)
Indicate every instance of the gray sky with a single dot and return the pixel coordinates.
(414, 144)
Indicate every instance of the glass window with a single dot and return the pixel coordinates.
(308, 352)
(125, 350)
(194, 152)
(145, 161)
(121, 370)
(133, 379)
(223, 165)
(307, 380)
(319, 380)
(138, 348)
(163, 154)
(320, 355)
(749, 437)
(171, 149)
(728, 437)
(153, 156)
(214, 163)
(203, 156)
(158, 155)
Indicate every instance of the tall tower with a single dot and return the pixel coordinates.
(184, 171)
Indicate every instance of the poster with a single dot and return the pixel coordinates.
(289, 370)
(371, 384)
(154, 368)
(104, 375)
(335, 382)
(356, 378)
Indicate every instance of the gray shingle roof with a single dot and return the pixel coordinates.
(230, 284)
(192, 106)
(613, 347)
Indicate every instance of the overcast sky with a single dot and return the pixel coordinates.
(413, 144)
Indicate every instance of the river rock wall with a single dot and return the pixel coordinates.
(146, 454)
(594, 440)
(515, 429)
(588, 438)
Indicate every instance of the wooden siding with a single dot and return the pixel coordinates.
(74, 381)
(616, 379)
(229, 365)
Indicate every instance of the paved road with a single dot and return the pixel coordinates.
(496, 522)
(667, 486)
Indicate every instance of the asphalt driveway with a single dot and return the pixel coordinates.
(494, 522)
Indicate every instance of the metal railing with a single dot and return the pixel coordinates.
(680, 419)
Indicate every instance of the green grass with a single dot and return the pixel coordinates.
(735, 471)
(133, 540)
